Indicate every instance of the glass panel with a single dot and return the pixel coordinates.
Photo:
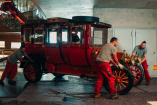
(27, 34)
(53, 37)
(98, 37)
(77, 35)
(39, 35)
(2, 44)
(15, 45)
(64, 35)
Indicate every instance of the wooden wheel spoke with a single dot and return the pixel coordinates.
(123, 75)
(120, 87)
(133, 70)
(116, 73)
(125, 82)
(125, 78)
(139, 73)
(29, 66)
(32, 76)
(119, 73)
(116, 86)
(28, 74)
(134, 75)
(123, 85)
(114, 76)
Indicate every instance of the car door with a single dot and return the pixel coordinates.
(51, 48)
(77, 48)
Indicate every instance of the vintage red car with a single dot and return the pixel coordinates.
(55, 48)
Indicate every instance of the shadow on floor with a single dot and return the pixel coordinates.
(9, 91)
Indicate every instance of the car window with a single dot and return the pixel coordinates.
(98, 37)
(77, 35)
(39, 36)
(65, 35)
(27, 34)
(52, 36)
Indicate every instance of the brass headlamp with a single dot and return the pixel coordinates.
(125, 58)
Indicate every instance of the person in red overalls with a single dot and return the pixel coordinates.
(103, 59)
(141, 50)
(11, 65)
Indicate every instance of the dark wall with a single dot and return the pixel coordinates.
(8, 39)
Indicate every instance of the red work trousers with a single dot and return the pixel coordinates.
(10, 69)
(104, 70)
(146, 73)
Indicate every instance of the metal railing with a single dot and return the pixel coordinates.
(5, 53)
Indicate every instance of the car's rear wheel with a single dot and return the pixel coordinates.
(32, 72)
(137, 72)
(123, 80)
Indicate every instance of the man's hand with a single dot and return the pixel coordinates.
(120, 66)
(116, 65)
(138, 64)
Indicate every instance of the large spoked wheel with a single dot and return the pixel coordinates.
(137, 72)
(123, 80)
(32, 72)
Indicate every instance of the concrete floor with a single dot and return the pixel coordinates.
(71, 90)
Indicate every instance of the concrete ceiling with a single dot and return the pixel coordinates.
(138, 4)
(69, 8)
(65, 8)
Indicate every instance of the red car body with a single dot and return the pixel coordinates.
(66, 57)
(68, 46)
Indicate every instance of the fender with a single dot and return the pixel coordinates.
(35, 57)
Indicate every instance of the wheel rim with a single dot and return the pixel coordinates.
(121, 80)
(137, 74)
(30, 72)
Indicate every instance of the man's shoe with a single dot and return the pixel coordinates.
(1, 83)
(97, 95)
(8, 76)
(12, 82)
(147, 83)
(114, 96)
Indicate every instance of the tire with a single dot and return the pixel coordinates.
(124, 86)
(22, 64)
(137, 72)
(85, 19)
(32, 72)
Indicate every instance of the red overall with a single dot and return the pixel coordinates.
(104, 70)
(10, 69)
(146, 73)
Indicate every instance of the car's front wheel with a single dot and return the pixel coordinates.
(32, 72)
(123, 80)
